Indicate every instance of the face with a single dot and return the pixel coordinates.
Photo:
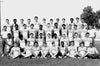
(82, 44)
(51, 21)
(25, 26)
(36, 19)
(28, 20)
(91, 45)
(53, 43)
(49, 36)
(63, 20)
(15, 21)
(70, 26)
(7, 21)
(36, 44)
(57, 19)
(87, 35)
(31, 26)
(64, 36)
(48, 25)
(40, 27)
(28, 43)
(62, 44)
(44, 44)
(75, 27)
(5, 28)
(77, 19)
(75, 35)
(22, 21)
(31, 35)
(71, 20)
(72, 43)
(44, 20)
(15, 45)
(82, 27)
(90, 27)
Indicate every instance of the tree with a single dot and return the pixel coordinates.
(89, 16)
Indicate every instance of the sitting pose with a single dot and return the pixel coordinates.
(82, 50)
(36, 49)
(53, 50)
(27, 51)
(92, 52)
(44, 50)
(63, 49)
(72, 50)
(15, 51)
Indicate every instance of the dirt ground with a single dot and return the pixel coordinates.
(4, 61)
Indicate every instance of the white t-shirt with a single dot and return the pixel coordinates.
(25, 33)
(16, 51)
(22, 43)
(70, 35)
(82, 51)
(4, 34)
(45, 49)
(87, 41)
(92, 50)
(92, 32)
(77, 42)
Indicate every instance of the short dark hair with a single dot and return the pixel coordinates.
(51, 19)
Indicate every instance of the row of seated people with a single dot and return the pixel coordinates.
(53, 51)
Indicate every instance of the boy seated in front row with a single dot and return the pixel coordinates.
(53, 50)
(82, 50)
(27, 50)
(44, 50)
(72, 50)
(15, 51)
(36, 49)
(92, 52)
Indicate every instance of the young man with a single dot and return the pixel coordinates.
(92, 52)
(8, 25)
(21, 24)
(51, 23)
(41, 35)
(32, 31)
(76, 30)
(70, 32)
(82, 50)
(64, 38)
(78, 23)
(53, 50)
(77, 39)
(22, 44)
(24, 32)
(31, 39)
(36, 23)
(72, 50)
(83, 31)
(44, 50)
(63, 49)
(92, 32)
(44, 23)
(15, 51)
(87, 40)
(9, 43)
(4, 34)
(27, 50)
(36, 49)
(28, 23)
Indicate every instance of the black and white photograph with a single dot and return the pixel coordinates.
(49, 33)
